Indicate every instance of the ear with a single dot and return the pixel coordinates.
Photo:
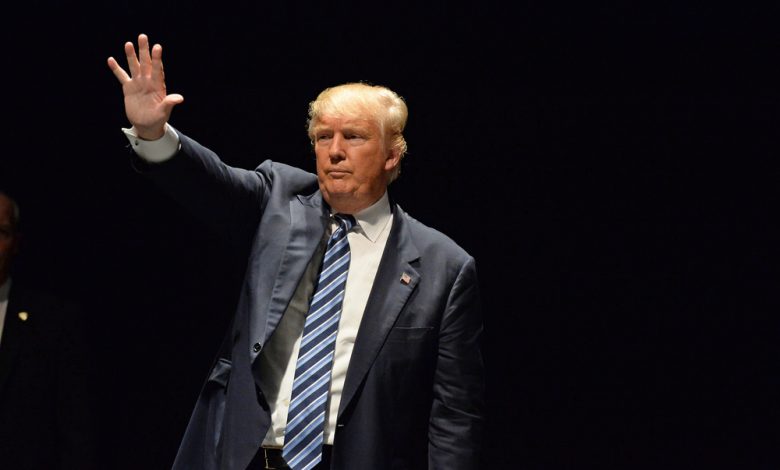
(393, 159)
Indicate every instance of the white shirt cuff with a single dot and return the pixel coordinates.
(154, 151)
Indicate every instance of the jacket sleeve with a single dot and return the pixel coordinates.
(229, 200)
(457, 415)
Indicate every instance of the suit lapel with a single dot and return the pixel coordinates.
(308, 220)
(395, 280)
(15, 331)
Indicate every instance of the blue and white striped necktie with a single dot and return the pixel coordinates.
(303, 436)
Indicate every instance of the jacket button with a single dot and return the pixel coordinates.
(257, 347)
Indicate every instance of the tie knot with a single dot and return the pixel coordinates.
(345, 221)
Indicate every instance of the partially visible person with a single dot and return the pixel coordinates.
(46, 421)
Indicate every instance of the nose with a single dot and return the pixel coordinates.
(336, 149)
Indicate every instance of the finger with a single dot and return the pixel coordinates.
(132, 60)
(143, 54)
(157, 67)
(119, 72)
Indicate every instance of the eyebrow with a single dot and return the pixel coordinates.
(356, 129)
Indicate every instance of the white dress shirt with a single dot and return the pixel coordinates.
(367, 242)
(4, 290)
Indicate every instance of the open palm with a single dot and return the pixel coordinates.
(147, 104)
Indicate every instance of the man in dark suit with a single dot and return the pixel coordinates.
(46, 420)
(405, 378)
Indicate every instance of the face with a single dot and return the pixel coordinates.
(8, 237)
(353, 162)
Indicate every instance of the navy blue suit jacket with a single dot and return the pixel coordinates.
(413, 395)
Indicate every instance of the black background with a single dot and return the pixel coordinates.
(612, 166)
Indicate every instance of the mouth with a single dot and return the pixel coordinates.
(337, 173)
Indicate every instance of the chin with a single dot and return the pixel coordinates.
(340, 188)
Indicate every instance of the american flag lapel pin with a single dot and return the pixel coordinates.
(406, 279)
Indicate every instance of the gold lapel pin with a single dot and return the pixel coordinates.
(23, 316)
(405, 278)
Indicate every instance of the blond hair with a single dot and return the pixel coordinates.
(375, 102)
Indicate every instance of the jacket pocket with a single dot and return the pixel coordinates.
(409, 333)
(220, 374)
(215, 392)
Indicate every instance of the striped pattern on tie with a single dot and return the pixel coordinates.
(303, 435)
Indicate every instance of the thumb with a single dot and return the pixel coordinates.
(174, 99)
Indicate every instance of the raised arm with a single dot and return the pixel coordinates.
(147, 104)
(230, 200)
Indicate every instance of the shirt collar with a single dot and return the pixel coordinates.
(373, 219)
(5, 289)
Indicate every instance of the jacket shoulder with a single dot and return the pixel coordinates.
(294, 178)
(432, 242)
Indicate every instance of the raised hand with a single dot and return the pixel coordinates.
(147, 104)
